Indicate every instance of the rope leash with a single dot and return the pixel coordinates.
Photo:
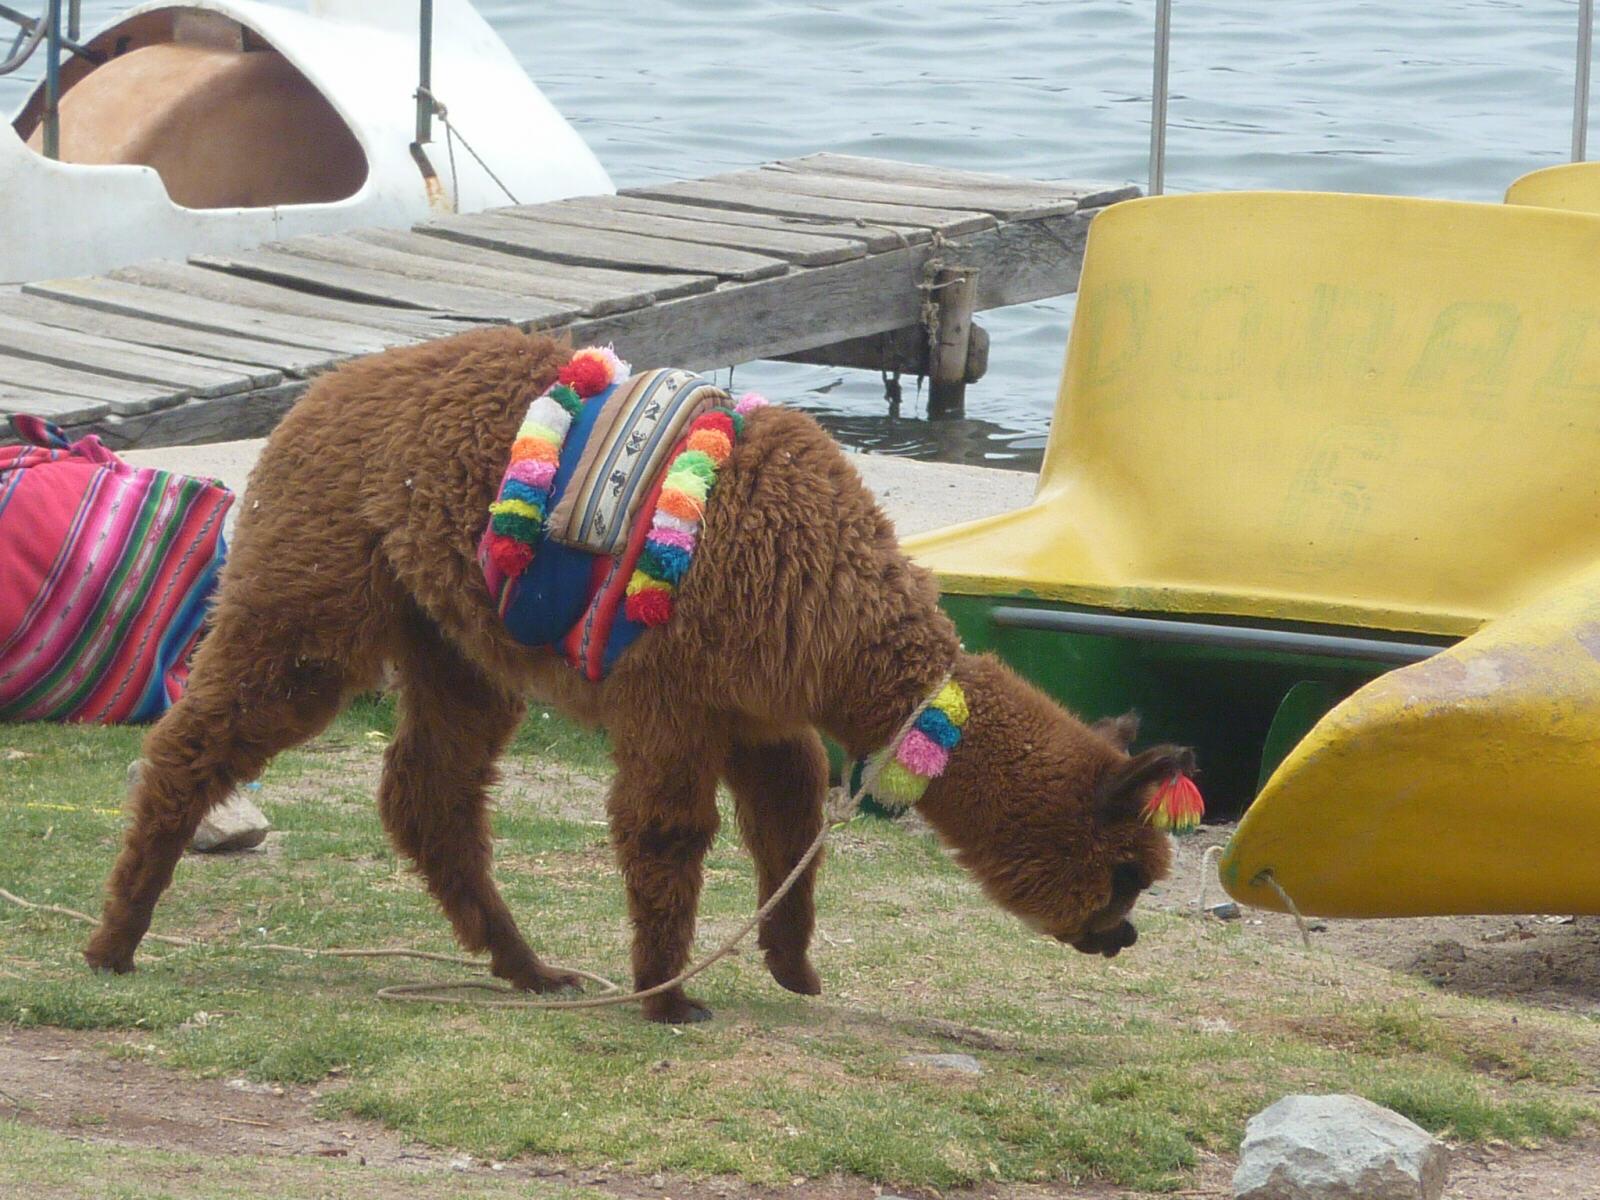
(1266, 877)
(506, 996)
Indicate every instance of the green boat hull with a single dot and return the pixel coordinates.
(1242, 709)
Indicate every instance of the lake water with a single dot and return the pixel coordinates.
(1451, 99)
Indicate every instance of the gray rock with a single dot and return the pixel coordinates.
(235, 824)
(1337, 1148)
(964, 1063)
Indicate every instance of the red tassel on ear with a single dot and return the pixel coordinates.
(1176, 806)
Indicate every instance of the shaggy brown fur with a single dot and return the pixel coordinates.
(356, 547)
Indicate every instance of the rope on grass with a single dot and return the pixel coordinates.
(505, 995)
(184, 943)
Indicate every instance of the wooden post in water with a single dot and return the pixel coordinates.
(954, 291)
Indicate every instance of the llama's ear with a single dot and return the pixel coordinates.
(1119, 731)
(1123, 790)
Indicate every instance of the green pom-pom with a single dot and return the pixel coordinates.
(515, 525)
(568, 398)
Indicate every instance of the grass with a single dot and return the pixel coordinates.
(1124, 1071)
(42, 1165)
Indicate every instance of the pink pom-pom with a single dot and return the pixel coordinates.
(672, 537)
(921, 754)
(533, 471)
(749, 402)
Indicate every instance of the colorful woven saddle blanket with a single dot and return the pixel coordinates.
(105, 573)
(599, 510)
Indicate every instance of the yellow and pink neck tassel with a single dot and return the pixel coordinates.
(891, 780)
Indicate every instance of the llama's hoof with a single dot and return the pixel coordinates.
(546, 982)
(674, 1008)
(1108, 942)
(102, 958)
(796, 975)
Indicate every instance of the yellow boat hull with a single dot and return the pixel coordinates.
(1469, 783)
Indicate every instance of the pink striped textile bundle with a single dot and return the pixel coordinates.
(105, 570)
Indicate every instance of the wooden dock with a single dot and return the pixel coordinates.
(828, 258)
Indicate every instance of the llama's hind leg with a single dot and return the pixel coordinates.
(663, 809)
(778, 792)
(245, 701)
(434, 797)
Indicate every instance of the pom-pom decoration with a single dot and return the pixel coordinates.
(898, 775)
(1176, 806)
(517, 515)
(592, 370)
(681, 506)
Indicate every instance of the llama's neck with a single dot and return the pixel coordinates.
(887, 681)
(1020, 753)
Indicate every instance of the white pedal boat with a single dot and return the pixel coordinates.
(218, 125)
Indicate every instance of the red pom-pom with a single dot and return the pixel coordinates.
(650, 606)
(586, 374)
(715, 419)
(1176, 806)
(510, 555)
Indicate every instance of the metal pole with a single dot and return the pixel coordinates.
(425, 74)
(74, 19)
(1580, 96)
(52, 82)
(1222, 637)
(1158, 97)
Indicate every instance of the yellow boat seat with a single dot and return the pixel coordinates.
(1365, 411)
(1463, 784)
(1573, 186)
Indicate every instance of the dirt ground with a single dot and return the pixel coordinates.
(70, 1083)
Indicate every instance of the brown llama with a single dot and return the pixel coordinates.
(356, 549)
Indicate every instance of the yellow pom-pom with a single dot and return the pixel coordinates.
(952, 702)
(897, 786)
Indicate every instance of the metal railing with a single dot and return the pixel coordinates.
(46, 30)
(1158, 90)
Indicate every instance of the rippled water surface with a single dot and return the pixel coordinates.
(1453, 98)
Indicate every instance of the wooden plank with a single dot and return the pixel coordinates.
(139, 300)
(122, 395)
(102, 356)
(380, 325)
(879, 191)
(719, 193)
(597, 248)
(342, 281)
(600, 290)
(1015, 262)
(1086, 195)
(801, 249)
(225, 418)
(509, 287)
(871, 237)
(276, 356)
(52, 406)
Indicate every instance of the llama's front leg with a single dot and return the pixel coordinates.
(663, 820)
(433, 798)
